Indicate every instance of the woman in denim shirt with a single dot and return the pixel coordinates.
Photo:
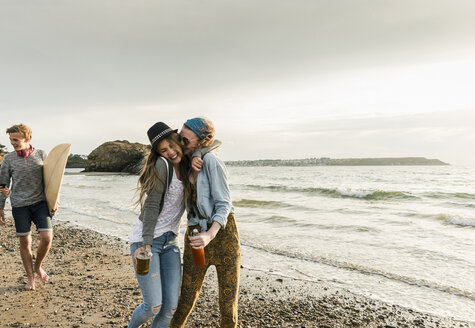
(210, 211)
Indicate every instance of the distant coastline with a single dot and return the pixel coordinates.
(124, 156)
(130, 152)
(325, 161)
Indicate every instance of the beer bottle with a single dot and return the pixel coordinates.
(198, 254)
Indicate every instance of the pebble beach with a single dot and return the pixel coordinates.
(92, 284)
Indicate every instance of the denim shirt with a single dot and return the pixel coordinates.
(213, 196)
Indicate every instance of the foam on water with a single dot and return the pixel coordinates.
(337, 192)
(460, 221)
(372, 271)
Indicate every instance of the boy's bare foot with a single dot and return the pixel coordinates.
(42, 275)
(30, 285)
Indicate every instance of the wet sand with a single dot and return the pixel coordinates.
(92, 284)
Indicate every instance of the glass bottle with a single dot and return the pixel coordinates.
(198, 254)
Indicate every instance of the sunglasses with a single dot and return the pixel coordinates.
(185, 140)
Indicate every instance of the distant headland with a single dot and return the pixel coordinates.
(123, 156)
(325, 161)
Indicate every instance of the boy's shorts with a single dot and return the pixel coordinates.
(37, 213)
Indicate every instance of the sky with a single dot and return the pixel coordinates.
(279, 79)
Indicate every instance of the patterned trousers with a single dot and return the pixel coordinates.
(224, 252)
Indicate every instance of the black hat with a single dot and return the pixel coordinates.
(158, 132)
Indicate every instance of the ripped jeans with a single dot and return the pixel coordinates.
(161, 285)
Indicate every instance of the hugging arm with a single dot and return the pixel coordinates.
(197, 162)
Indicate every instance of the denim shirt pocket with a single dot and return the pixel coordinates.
(204, 188)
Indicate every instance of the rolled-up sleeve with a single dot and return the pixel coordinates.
(219, 190)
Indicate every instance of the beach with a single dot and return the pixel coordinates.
(92, 284)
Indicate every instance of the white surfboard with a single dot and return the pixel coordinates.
(53, 171)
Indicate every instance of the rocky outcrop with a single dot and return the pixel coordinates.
(117, 156)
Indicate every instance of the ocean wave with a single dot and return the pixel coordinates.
(370, 271)
(445, 218)
(458, 204)
(272, 204)
(94, 216)
(279, 219)
(464, 195)
(287, 222)
(448, 195)
(284, 220)
(457, 220)
(131, 209)
(86, 206)
(374, 195)
(81, 186)
(339, 192)
(253, 203)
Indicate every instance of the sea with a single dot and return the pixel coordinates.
(401, 234)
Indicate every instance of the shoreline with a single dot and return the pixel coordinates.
(92, 284)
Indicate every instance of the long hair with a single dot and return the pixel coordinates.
(149, 177)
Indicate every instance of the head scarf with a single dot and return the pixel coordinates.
(199, 126)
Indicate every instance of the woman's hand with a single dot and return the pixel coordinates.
(148, 249)
(204, 238)
(200, 240)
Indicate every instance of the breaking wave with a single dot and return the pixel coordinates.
(338, 192)
(457, 220)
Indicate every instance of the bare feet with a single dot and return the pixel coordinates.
(30, 285)
(42, 275)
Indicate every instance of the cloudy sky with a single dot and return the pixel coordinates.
(280, 79)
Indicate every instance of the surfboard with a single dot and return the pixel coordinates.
(53, 171)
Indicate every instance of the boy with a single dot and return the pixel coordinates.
(24, 167)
